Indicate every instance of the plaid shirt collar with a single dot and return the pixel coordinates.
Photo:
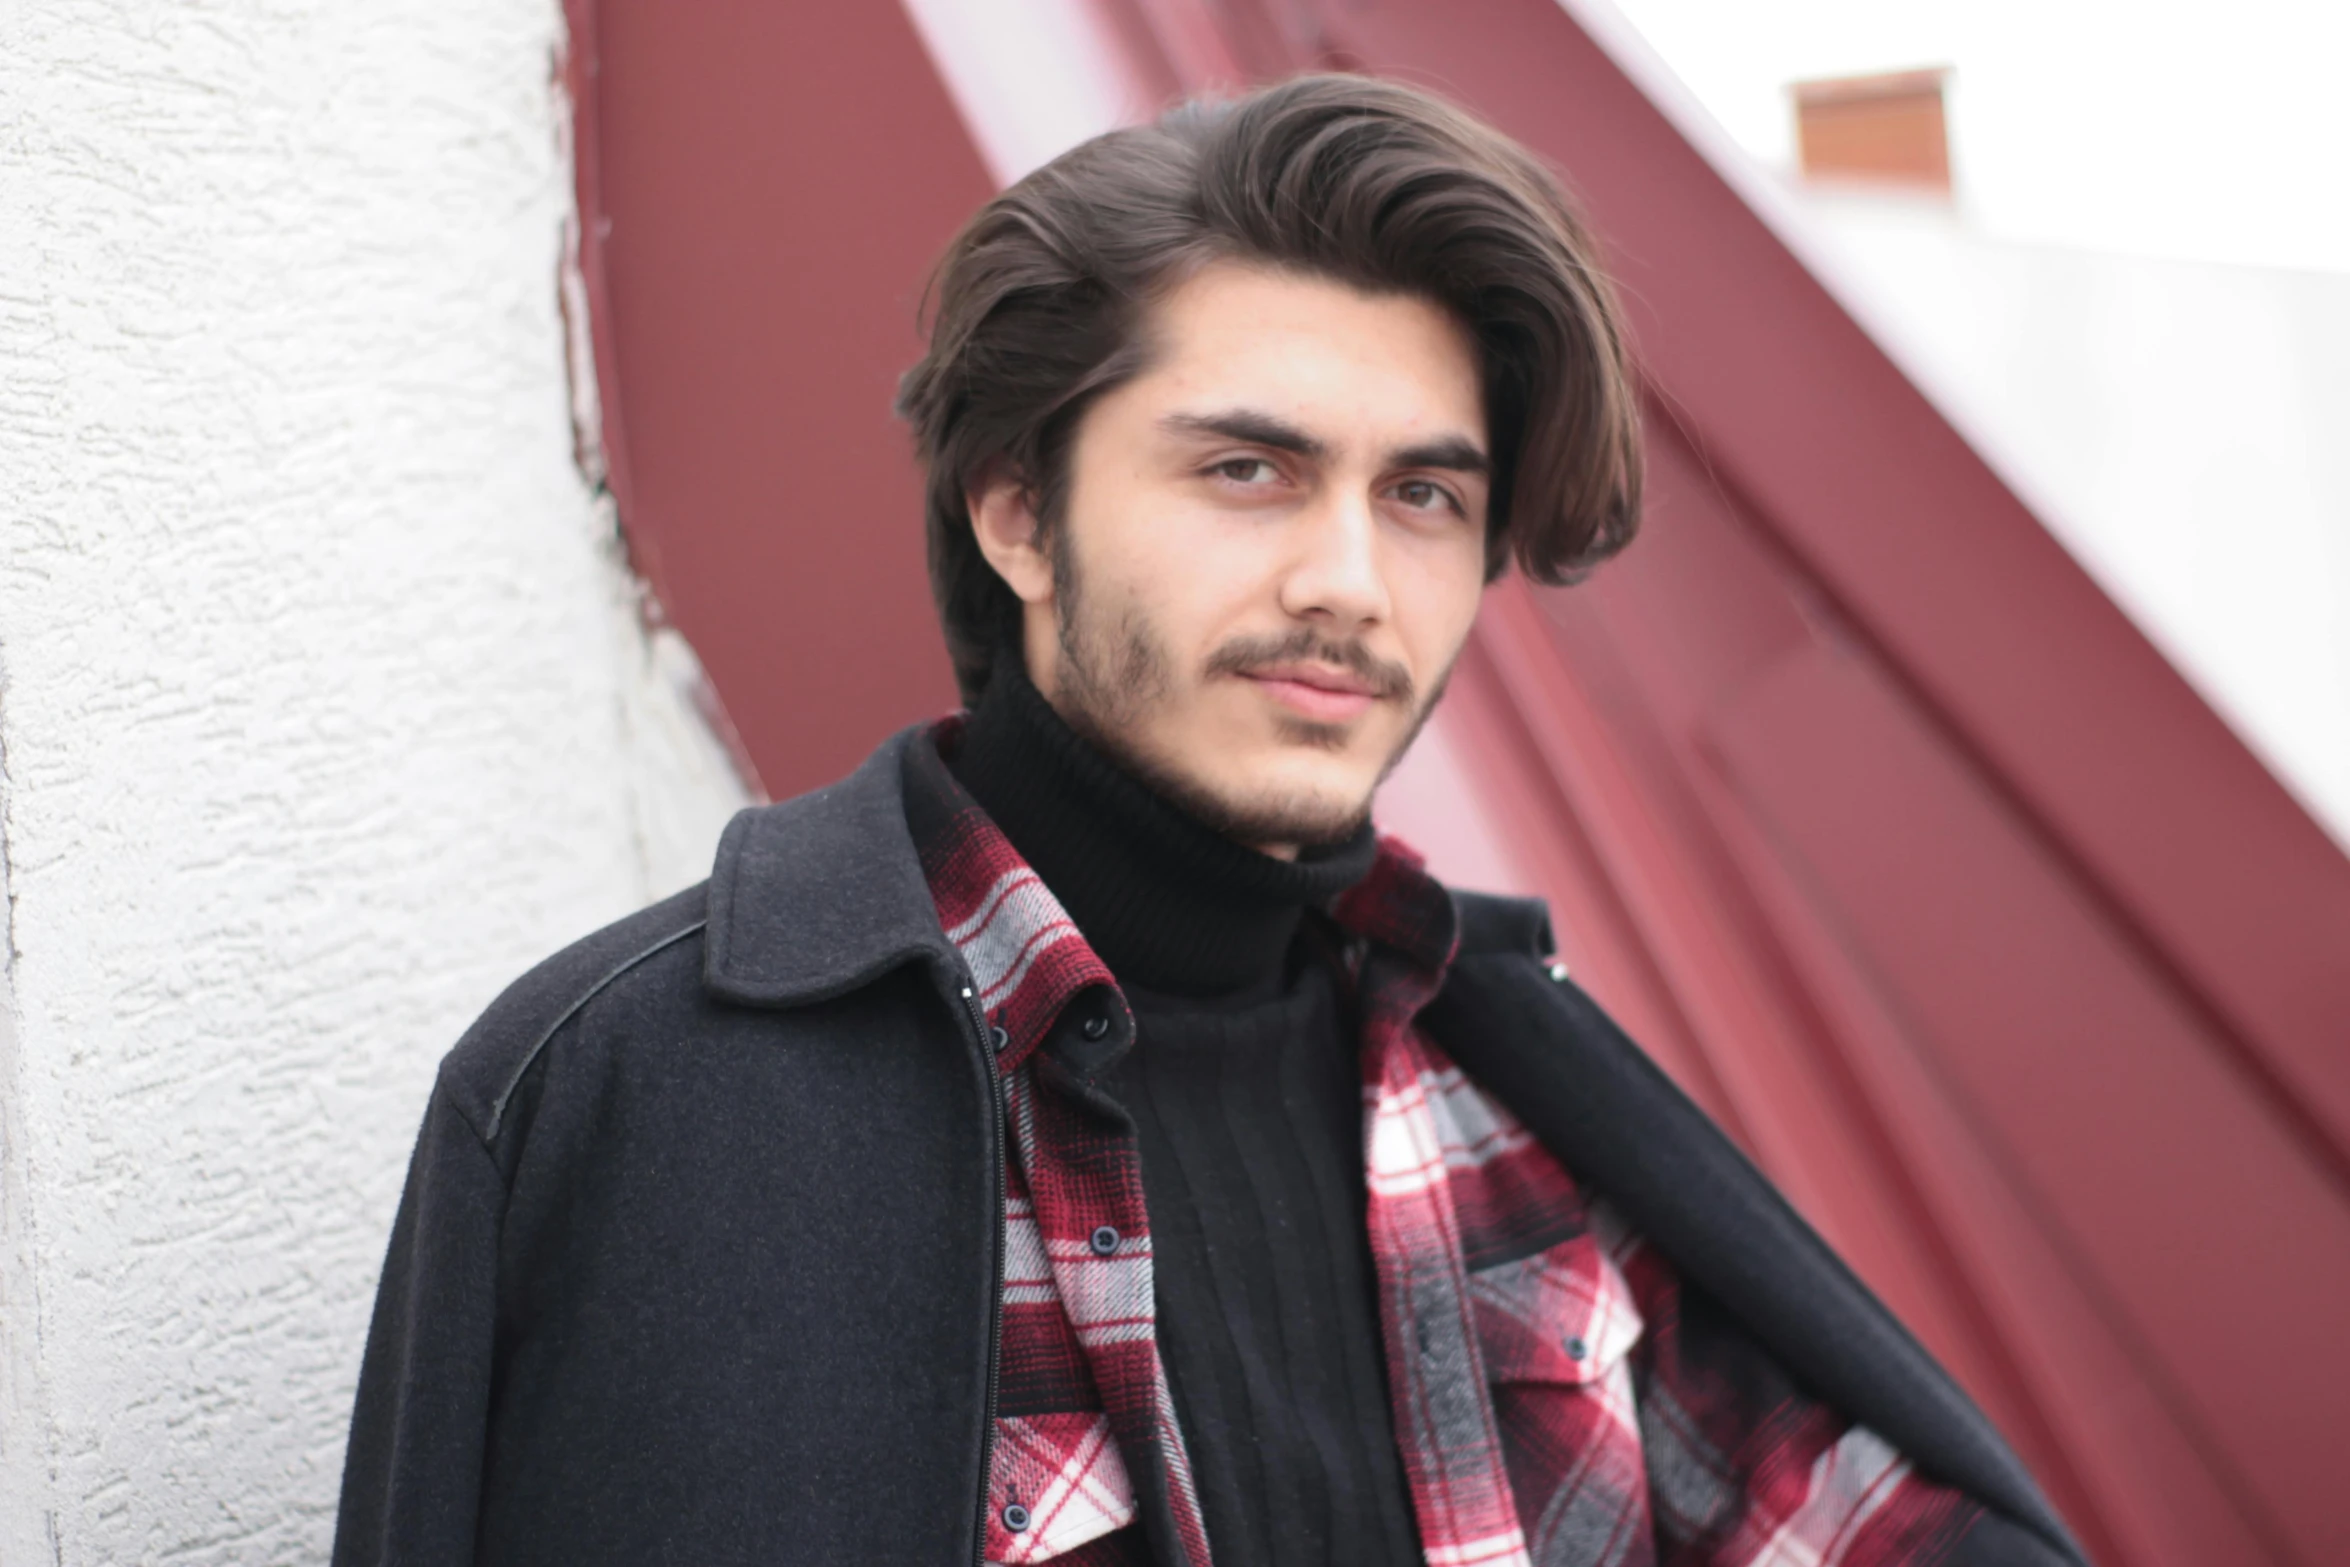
(1027, 971)
(1024, 955)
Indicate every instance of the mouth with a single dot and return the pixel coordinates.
(1318, 693)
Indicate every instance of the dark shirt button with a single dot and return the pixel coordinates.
(1095, 1027)
(1001, 1038)
(1577, 1349)
(1015, 1517)
(1104, 1241)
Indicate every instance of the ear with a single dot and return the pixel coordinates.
(1003, 519)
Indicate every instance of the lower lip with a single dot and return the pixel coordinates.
(1318, 703)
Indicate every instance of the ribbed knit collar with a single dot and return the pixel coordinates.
(1168, 903)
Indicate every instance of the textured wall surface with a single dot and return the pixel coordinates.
(324, 709)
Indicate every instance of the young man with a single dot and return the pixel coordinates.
(1074, 1136)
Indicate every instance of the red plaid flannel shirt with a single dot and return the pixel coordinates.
(1552, 1400)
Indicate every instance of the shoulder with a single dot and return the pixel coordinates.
(1494, 926)
(480, 1074)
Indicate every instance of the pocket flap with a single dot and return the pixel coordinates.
(1561, 1315)
(1061, 1479)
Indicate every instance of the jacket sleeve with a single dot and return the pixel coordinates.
(413, 1469)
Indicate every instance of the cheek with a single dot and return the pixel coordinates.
(1436, 596)
(1194, 576)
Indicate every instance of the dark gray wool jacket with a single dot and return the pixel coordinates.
(697, 1259)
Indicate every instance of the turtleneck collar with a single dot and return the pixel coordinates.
(1166, 902)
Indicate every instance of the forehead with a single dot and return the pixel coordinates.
(1336, 360)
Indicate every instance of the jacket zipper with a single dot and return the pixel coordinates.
(982, 1037)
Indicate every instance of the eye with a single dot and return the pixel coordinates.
(1244, 470)
(1425, 495)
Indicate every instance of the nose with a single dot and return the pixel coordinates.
(1335, 578)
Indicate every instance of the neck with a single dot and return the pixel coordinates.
(1166, 902)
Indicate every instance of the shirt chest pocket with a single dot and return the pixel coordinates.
(1557, 1330)
(1056, 1483)
(1561, 1317)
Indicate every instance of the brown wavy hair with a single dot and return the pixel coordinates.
(1038, 308)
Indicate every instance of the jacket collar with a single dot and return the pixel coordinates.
(814, 896)
(818, 895)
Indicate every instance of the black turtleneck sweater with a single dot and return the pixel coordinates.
(1246, 1098)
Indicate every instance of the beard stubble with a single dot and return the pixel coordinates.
(1115, 671)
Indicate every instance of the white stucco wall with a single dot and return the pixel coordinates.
(324, 710)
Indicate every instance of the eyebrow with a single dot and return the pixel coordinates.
(1453, 453)
(1257, 429)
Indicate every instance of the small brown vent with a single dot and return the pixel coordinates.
(1882, 130)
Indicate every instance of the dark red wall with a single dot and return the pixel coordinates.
(770, 184)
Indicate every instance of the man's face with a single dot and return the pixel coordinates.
(1272, 549)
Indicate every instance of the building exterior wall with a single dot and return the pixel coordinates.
(2177, 426)
(326, 707)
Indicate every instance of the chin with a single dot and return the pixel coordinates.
(1283, 805)
(1303, 789)
(1268, 822)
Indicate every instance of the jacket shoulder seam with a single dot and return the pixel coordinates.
(522, 1067)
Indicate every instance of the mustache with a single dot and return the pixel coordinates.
(1246, 655)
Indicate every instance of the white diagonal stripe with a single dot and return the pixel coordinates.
(987, 905)
(1017, 919)
(1849, 1482)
